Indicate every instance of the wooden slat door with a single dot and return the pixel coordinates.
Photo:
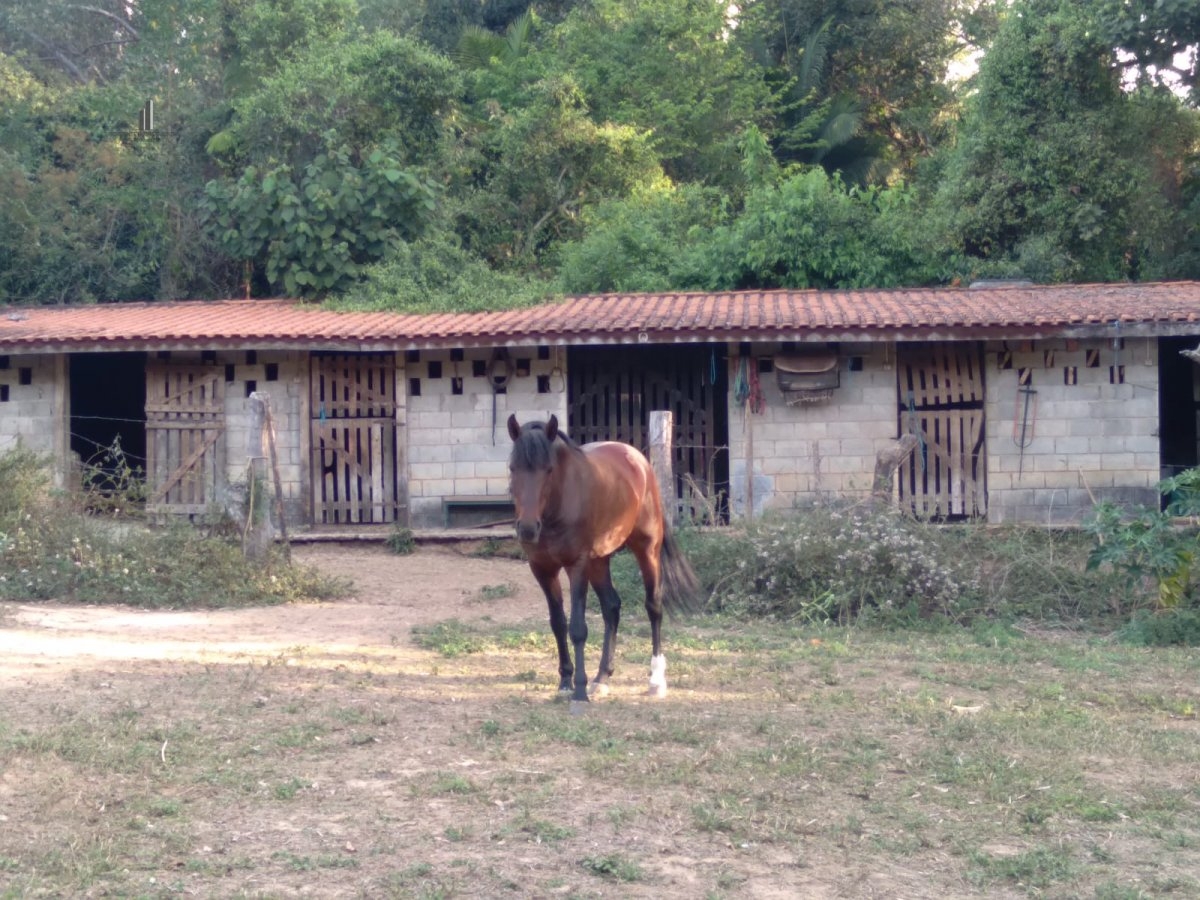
(185, 421)
(354, 446)
(941, 396)
(613, 390)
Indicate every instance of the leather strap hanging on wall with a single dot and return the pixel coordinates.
(499, 374)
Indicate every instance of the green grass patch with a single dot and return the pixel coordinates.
(613, 866)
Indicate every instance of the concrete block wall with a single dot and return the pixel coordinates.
(813, 451)
(1091, 432)
(454, 445)
(33, 406)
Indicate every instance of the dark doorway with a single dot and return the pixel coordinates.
(1178, 405)
(613, 390)
(108, 411)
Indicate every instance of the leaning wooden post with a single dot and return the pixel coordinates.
(662, 427)
(887, 461)
(256, 535)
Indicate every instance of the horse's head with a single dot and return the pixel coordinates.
(531, 470)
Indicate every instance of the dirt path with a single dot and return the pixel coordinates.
(392, 594)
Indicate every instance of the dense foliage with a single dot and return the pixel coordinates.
(335, 148)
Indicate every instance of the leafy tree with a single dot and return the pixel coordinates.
(1161, 37)
(793, 228)
(435, 274)
(314, 232)
(648, 241)
(534, 167)
(667, 68)
(1050, 176)
(810, 230)
(260, 38)
(861, 83)
(368, 88)
(441, 23)
(333, 158)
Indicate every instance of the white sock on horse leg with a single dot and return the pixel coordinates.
(658, 675)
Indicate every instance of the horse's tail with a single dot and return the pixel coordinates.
(677, 584)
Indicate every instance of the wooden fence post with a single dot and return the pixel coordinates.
(256, 534)
(662, 427)
(278, 479)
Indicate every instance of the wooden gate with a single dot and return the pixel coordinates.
(354, 447)
(941, 401)
(185, 418)
(613, 390)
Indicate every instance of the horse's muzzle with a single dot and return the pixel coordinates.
(528, 532)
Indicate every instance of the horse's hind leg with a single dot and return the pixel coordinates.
(649, 565)
(552, 588)
(600, 577)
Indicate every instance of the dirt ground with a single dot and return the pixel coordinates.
(318, 750)
(129, 692)
(392, 594)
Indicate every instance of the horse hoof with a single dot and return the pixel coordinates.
(598, 690)
(657, 691)
(578, 707)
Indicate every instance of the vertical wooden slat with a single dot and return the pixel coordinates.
(376, 473)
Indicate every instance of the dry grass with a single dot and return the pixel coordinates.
(786, 762)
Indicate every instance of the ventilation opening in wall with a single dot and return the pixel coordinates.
(108, 409)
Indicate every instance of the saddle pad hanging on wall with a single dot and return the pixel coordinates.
(807, 377)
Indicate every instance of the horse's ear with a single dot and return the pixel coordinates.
(514, 427)
(552, 428)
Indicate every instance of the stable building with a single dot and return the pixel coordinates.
(1024, 403)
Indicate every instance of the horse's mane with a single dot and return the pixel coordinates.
(532, 449)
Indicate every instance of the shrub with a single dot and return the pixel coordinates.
(50, 550)
(402, 541)
(1154, 551)
(1163, 628)
(838, 562)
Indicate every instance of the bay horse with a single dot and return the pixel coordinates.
(575, 507)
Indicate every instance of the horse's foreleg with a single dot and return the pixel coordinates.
(579, 631)
(610, 605)
(549, 583)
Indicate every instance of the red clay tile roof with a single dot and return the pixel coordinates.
(994, 311)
